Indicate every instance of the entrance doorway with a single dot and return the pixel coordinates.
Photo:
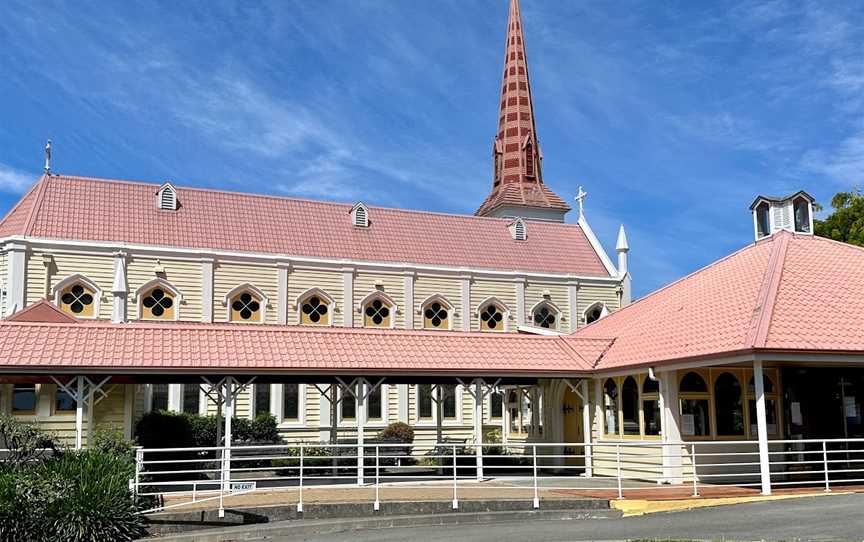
(571, 408)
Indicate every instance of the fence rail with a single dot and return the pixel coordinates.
(176, 477)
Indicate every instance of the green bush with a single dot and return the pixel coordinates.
(75, 496)
(111, 442)
(161, 429)
(399, 432)
(25, 442)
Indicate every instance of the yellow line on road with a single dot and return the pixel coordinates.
(638, 507)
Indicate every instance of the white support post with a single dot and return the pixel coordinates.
(586, 428)
(762, 428)
(226, 451)
(478, 426)
(79, 413)
(672, 445)
(91, 402)
(361, 422)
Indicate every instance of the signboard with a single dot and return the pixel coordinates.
(242, 486)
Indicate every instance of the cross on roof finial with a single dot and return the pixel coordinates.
(580, 199)
(48, 157)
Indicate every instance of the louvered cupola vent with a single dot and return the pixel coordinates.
(518, 230)
(166, 197)
(360, 215)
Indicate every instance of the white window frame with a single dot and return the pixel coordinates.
(72, 279)
(277, 406)
(246, 286)
(442, 299)
(149, 285)
(385, 409)
(505, 310)
(327, 298)
(433, 421)
(372, 296)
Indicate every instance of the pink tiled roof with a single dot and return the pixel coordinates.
(784, 293)
(77, 208)
(199, 348)
(42, 311)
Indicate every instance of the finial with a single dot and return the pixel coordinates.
(48, 157)
(580, 199)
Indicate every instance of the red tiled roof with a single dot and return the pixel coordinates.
(200, 348)
(42, 311)
(78, 208)
(784, 293)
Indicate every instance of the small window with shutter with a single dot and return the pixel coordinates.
(518, 230)
(360, 215)
(166, 198)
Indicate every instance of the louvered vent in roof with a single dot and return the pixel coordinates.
(360, 215)
(518, 230)
(166, 197)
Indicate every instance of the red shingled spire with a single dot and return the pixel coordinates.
(517, 182)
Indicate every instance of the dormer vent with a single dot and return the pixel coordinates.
(166, 197)
(791, 213)
(518, 230)
(360, 215)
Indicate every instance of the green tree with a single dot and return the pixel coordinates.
(846, 222)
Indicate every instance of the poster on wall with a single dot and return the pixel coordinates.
(688, 424)
(797, 419)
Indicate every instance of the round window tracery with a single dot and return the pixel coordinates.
(78, 300)
(435, 315)
(545, 317)
(491, 318)
(158, 304)
(377, 314)
(594, 314)
(314, 311)
(246, 307)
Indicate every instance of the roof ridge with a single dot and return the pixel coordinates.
(18, 204)
(757, 336)
(34, 210)
(465, 216)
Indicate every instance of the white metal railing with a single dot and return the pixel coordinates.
(176, 477)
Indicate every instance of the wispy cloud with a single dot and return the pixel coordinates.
(14, 181)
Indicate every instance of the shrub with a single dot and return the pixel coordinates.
(400, 432)
(111, 442)
(76, 496)
(25, 442)
(161, 429)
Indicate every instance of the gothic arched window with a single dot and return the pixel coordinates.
(158, 300)
(546, 315)
(78, 296)
(315, 308)
(378, 312)
(437, 313)
(493, 316)
(246, 306)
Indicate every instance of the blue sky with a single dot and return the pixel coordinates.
(673, 115)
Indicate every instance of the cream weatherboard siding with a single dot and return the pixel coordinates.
(330, 282)
(182, 274)
(590, 294)
(392, 285)
(557, 296)
(503, 290)
(227, 276)
(449, 287)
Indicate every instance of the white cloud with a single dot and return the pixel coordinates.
(14, 181)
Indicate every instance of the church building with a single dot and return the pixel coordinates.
(124, 297)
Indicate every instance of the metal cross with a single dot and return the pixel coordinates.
(580, 199)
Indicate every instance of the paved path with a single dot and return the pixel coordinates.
(839, 517)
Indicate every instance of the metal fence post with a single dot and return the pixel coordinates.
(536, 493)
(693, 461)
(300, 498)
(825, 463)
(455, 499)
(377, 477)
(618, 474)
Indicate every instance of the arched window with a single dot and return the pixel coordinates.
(493, 316)
(437, 313)
(801, 211)
(546, 315)
(630, 406)
(529, 160)
(158, 300)
(246, 305)
(595, 312)
(695, 410)
(610, 406)
(651, 406)
(78, 296)
(728, 406)
(378, 311)
(771, 404)
(315, 308)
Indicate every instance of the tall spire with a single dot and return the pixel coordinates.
(517, 176)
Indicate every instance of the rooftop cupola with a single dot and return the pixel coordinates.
(791, 213)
